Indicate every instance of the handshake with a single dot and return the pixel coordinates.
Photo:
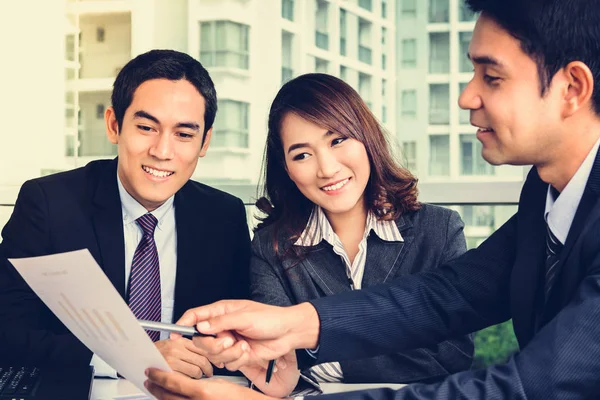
(245, 336)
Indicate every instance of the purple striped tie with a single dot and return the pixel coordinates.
(144, 280)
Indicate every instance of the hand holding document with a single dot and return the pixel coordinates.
(77, 291)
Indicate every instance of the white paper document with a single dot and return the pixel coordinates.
(76, 289)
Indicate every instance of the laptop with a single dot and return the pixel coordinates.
(31, 383)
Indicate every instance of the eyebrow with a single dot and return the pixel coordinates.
(485, 60)
(143, 114)
(301, 145)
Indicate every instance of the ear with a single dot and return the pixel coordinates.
(580, 87)
(207, 138)
(112, 126)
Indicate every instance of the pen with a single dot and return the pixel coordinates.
(270, 368)
(160, 326)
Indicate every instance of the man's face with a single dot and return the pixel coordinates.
(160, 140)
(517, 125)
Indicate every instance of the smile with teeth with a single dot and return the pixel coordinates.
(157, 173)
(337, 186)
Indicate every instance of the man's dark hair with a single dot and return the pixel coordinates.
(163, 64)
(552, 32)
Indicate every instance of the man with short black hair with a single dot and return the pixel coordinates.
(167, 243)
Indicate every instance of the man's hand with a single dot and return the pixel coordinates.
(184, 357)
(173, 386)
(260, 332)
(283, 381)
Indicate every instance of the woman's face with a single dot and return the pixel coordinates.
(328, 168)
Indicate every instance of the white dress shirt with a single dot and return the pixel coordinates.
(560, 212)
(165, 237)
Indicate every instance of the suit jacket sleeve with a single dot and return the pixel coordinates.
(560, 362)
(467, 294)
(242, 256)
(426, 363)
(26, 339)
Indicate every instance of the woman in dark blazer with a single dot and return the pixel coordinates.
(342, 215)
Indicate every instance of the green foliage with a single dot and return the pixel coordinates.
(494, 345)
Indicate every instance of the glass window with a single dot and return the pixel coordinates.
(366, 4)
(70, 47)
(409, 150)
(409, 53)
(287, 71)
(321, 65)
(364, 88)
(471, 161)
(287, 9)
(384, 9)
(224, 44)
(383, 48)
(100, 111)
(231, 125)
(439, 155)
(100, 34)
(409, 104)
(465, 14)
(321, 30)
(439, 10)
(344, 73)
(439, 53)
(343, 31)
(364, 41)
(409, 8)
(465, 64)
(439, 104)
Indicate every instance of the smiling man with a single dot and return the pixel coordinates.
(167, 243)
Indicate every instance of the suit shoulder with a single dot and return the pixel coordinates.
(217, 197)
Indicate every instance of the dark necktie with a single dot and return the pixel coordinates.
(553, 248)
(144, 279)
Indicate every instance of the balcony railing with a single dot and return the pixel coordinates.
(364, 54)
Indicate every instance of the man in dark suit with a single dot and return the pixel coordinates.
(196, 252)
(536, 100)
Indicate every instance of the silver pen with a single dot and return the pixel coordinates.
(162, 327)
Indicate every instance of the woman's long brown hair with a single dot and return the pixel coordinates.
(332, 104)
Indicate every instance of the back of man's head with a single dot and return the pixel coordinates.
(163, 64)
(552, 32)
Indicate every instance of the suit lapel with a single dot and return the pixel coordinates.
(326, 269)
(529, 262)
(193, 248)
(107, 218)
(587, 212)
(385, 258)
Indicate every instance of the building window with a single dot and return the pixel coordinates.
(439, 53)
(70, 47)
(384, 9)
(409, 104)
(383, 48)
(464, 116)
(364, 88)
(465, 14)
(99, 111)
(287, 71)
(100, 33)
(344, 73)
(471, 162)
(366, 4)
(321, 30)
(343, 31)
(465, 64)
(231, 125)
(321, 65)
(364, 41)
(439, 11)
(409, 53)
(224, 44)
(287, 9)
(409, 150)
(439, 155)
(478, 215)
(384, 101)
(409, 8)
(439, 104)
